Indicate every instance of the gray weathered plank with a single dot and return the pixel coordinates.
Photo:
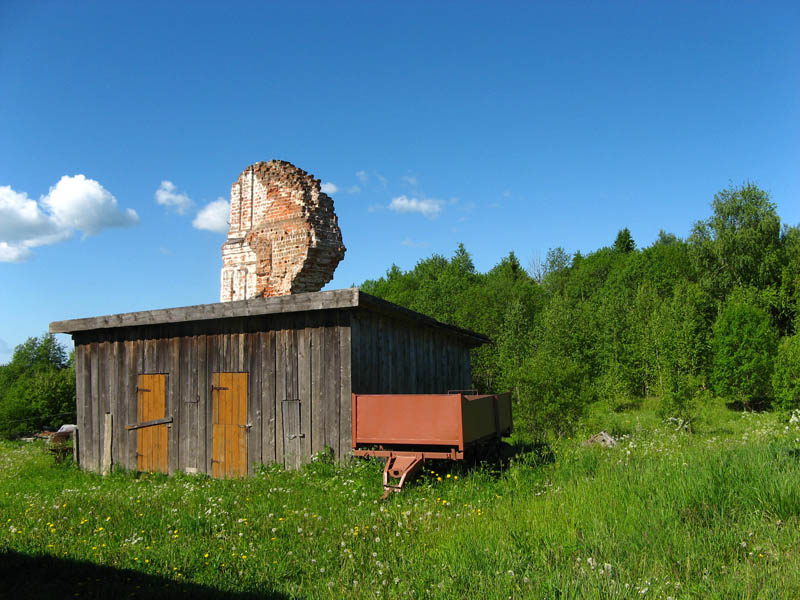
(304, 384)
(203, 400)
(215, 363)
(132, 351)
(83, 390)
(253, 368)
(281, 361)
(118, 404)
(268, 395)
(413, 385)
(140, 351)
(331, 387)
(95, 435)
(345, 385)
(355, 352)
(173, 349)
(244, 361)
(316, 425)
(186, 400)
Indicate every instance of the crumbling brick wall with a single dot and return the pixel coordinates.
(284, 236)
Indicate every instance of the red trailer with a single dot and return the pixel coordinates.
(407, 429)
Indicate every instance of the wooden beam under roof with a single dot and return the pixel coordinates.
(309, 301)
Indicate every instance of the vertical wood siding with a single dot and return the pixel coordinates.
(316, 359)
(396, 357)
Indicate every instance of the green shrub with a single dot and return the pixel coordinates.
(681, 397)
(37, 388)
(786, 377)
(743, 349)
(552, 393)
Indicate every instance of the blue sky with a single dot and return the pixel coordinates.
(505, 126)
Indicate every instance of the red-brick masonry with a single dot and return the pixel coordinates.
(284, 236)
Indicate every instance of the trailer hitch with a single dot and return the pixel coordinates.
(400, 466)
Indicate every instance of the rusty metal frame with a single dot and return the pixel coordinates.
(391, 428)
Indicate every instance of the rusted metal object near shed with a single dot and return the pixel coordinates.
(408, 429)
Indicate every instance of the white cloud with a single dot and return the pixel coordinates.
(362, 177)
(428, 207)
(73, 204)
(353, 189)
(167, 195)
(21, 218)
(14, 253)
(214, 216)
(410, 180)
(329, 188)
(84, 204)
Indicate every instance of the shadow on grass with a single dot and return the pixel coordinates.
(498, 456)
(755, 405)
(25, 576)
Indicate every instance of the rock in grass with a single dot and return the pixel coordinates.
(602, 439)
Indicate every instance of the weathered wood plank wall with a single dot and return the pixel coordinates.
(317, 358)
(395, 357)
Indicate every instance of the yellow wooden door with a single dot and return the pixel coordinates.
(229, 431)
(151, 442)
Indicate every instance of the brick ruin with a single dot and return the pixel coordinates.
(284, 236)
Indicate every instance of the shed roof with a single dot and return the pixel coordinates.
(310, 301)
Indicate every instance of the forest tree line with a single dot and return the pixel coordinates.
(682, 319)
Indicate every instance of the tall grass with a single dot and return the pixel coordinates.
(664, 514)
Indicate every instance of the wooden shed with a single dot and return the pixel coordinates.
(218, 388)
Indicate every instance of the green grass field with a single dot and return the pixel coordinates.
(713, 514)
